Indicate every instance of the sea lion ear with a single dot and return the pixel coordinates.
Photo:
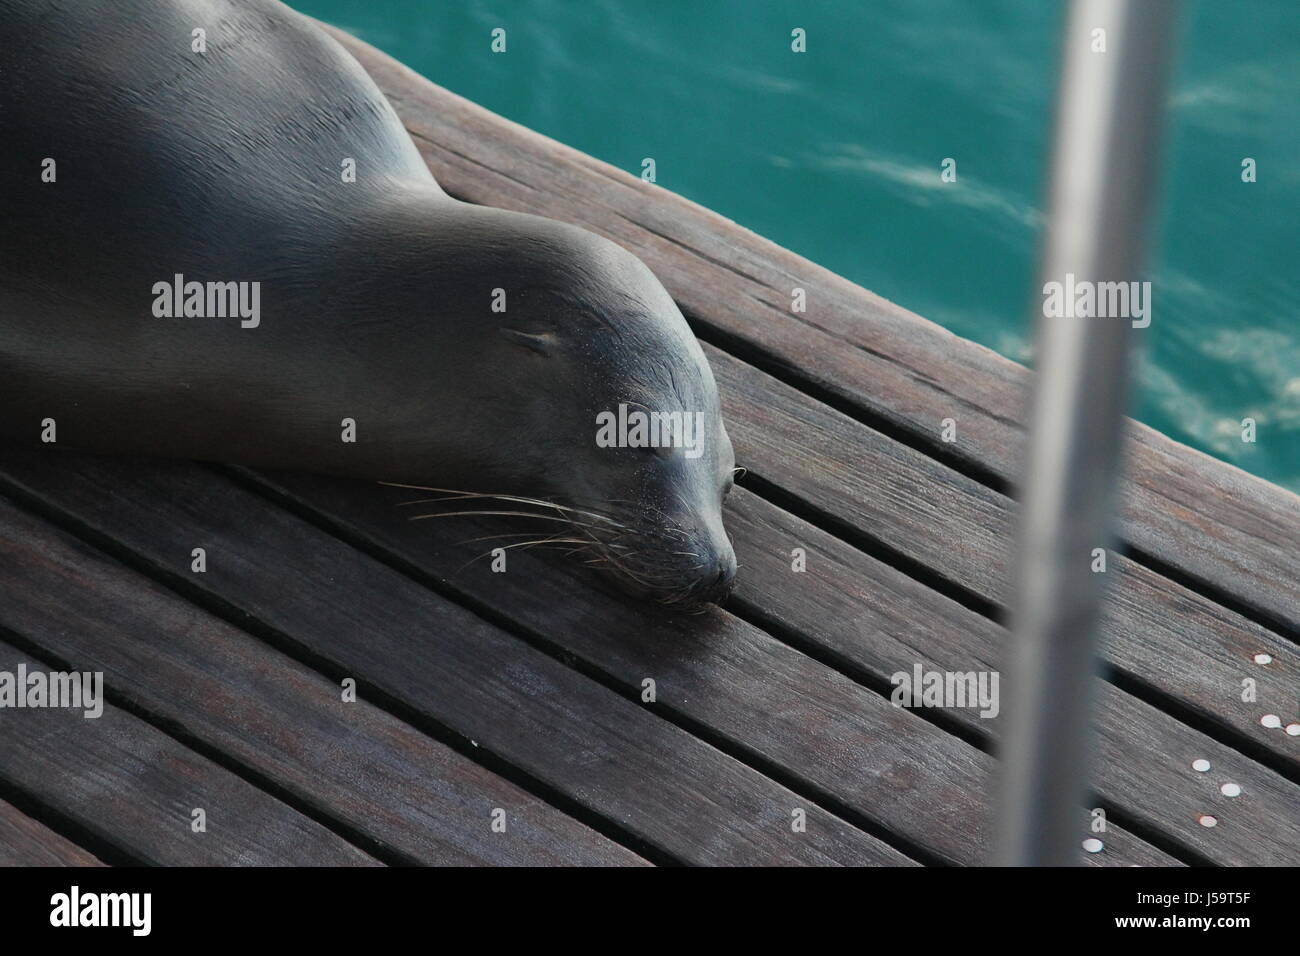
(543, 343)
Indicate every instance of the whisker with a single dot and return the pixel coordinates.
(540, 542)
(493, 537)
(457, 495)
(513, 514)
(627, 538)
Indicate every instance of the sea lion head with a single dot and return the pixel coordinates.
(609, 410)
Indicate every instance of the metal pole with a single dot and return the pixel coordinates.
(1108, 115)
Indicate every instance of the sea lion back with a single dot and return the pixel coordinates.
(205, 116)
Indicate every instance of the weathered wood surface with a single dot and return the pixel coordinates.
(1229, 531)
(1154, 630)
(26, 842)
(136, 787)
(874, 621)
(408, 795)
(790, 707)
(722, 678)
(658, 783)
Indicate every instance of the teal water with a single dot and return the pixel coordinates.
(835, 153)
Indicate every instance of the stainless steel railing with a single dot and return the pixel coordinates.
(1106, 140)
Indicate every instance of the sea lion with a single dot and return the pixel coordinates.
(188, 269)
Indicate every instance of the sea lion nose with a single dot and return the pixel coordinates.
(724, 577)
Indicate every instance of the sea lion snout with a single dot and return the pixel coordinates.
(694, 585)
(716, 589)
(670, 545)
(716, 574)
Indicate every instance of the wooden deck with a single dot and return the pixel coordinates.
(522, 692)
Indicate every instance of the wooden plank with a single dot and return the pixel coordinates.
(881, 622)
(1206, 519)
(658, 782)
(136, 788)
(1153, 629)
(729, 676)
(777, 707)
(351, 762)
(26, 842)
(872, 619)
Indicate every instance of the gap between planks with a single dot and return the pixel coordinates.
(815, 813)
(120, 484)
